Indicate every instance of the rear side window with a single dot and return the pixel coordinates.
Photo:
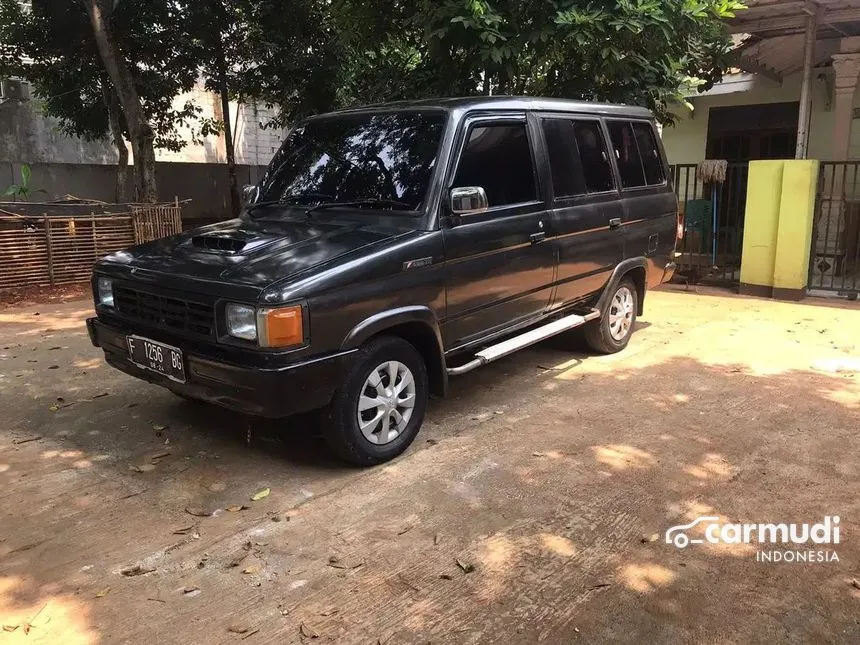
(627, 154)
(498, 158)
(652, 162)
(594, 156)
(567, 177)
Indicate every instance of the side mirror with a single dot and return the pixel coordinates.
(469, 200)
(250, 193)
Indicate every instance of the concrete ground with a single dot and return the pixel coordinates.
(531, 508)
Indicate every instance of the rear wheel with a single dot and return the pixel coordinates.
(611, 332)
(378, 410)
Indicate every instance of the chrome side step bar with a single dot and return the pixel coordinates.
(495, 352)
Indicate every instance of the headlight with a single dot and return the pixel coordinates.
(241, 321)
(270, 326)
(105, 292)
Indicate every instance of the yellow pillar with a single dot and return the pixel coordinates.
(794, 238)
(761, 223)
(780, 209)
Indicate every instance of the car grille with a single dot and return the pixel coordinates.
(166, 312)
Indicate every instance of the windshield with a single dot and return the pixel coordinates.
(384, 160)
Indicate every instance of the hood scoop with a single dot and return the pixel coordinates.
(234, 243)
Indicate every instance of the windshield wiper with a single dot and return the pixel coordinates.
(289, 199)
(372, 201)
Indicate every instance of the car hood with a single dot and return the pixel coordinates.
(254, 253)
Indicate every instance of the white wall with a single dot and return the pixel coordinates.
(27, 136)
(685, 141)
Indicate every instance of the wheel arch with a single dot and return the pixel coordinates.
(418, 326)
(637, 270)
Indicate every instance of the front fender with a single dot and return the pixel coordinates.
(385, 320)
(416, 324)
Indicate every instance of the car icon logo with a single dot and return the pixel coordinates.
(676, 535)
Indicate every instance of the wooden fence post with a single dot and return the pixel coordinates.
(49, 249)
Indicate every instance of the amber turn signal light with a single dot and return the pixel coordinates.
(280, 327)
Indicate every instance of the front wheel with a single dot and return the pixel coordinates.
(378, 410)
(611, 332)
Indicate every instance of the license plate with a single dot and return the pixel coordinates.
(157, 357)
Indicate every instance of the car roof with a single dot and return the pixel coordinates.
(508, 103)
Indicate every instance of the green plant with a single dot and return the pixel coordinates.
(22, 191)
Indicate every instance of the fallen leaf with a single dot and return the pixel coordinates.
(197, 512)
(185, 530)
(238, 629)
(191, 589)
(237, 507)
(256, 497)
(54, 408)
(405, 530)
(467, 567)
(601, 585)
(854, 583)
(649, 538)
(446, 576)
(103, 394)
(337, 563)
(236, 560)
(159, 455)
(143, 468)
(308, 632)
(158, 427)
(432, 442)
(136, 570)
(54, 367)
(10, 628)
(538, 454)
(104, 592)
(436, 539)
(251, 633)
(329, 612)
(252, 570)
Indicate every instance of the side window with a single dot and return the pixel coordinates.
(567, 177)
(498, 158)
(650, 153)
(627, 154)
(594, 156)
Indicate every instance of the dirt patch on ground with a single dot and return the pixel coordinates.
(531, 508)
(26, 296)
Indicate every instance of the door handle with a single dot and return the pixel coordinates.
(615, 222)
(537, 238)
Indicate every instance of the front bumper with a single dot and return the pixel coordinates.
(272, 392)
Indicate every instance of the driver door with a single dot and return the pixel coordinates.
(499, 270)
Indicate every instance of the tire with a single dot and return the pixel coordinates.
(609, 334)
(340, 420)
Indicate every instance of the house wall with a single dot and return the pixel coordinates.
(27, 136)
(685, 141)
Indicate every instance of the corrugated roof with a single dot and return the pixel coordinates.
(773, 33)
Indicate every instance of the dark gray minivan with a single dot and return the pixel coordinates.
(390, 247)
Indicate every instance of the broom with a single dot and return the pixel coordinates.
(713, 171)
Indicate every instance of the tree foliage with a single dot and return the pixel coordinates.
(307, 56)
(646, 52)
(52, 47)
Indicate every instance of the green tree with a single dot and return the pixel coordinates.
(646, 52)
(53, 47)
